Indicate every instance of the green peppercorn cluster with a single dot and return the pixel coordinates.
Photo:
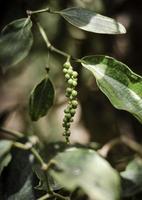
(71, 94)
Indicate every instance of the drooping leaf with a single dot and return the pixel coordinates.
(122, 86)
(41, 99)
(84, 168)
(15, 42)
(132, 178)
(5, 155)
(17, 181)
(90, 21)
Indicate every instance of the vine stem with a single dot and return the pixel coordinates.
(46, 196)
(121, 140)
(30, 12)
(49, 45)
(13, 133)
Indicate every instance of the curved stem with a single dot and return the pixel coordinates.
(30, 12)
(12, 132)
(49, 45)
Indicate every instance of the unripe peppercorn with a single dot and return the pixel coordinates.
(69, 90)
(74, 74)
(74, 93)
(68, 115)
(74, 83)
(74, 103)
(72, 111)
(67, 76)
(70, 81)
(67, 110)
(67, 65)
(65, 70)
(70, 71)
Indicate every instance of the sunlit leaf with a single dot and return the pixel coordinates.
(15, 42)
(84, 168)
(90, 21)
(122, 86)
(132, 178)
(5, 156)
(41, 99)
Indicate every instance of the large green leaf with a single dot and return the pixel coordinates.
(84, 168)
(132, 178)
(122, 86)
(5, 156)
(15, 42)
(90, 21)
(41, 99)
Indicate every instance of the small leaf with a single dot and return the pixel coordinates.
(84, 168)
(132, 178)
(90, 21)
(122, 86)
(15, 42)
(5, 156)
(41, 99)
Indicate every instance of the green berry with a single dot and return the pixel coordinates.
(67, 133)
(74, 103)
(75, 74)
(74, 83)
(70, 81)
(68, 90)
(68, 115)
(67, 65)
(71, 97)
(74, 93)
(72, 111)
(67, 110)
(70, 71)
(67, 76)
(65, 70)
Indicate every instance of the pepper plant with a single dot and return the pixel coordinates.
(68, 171)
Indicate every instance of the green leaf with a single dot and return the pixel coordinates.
(90, 21)
(132, 178)
(17, 182)
(84, 168)
(41, 99)
(5, 156)
(15, 42)
(122, 86)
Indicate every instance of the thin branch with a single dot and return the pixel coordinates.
(49, 45)
(30, 12)
(132, 145)
(46, 196)
(12, 132)
(108, 146)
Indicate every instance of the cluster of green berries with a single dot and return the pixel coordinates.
(71, 94)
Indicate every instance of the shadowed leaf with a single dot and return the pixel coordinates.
(15, 42)
(41, 99)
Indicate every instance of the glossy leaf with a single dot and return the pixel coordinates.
(41, 99)
(84, 168)
(15, 42)
(5, 156)
(90, 21)
(132, 178)
(122, 86)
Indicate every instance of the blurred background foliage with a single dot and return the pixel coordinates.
(96, 119)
